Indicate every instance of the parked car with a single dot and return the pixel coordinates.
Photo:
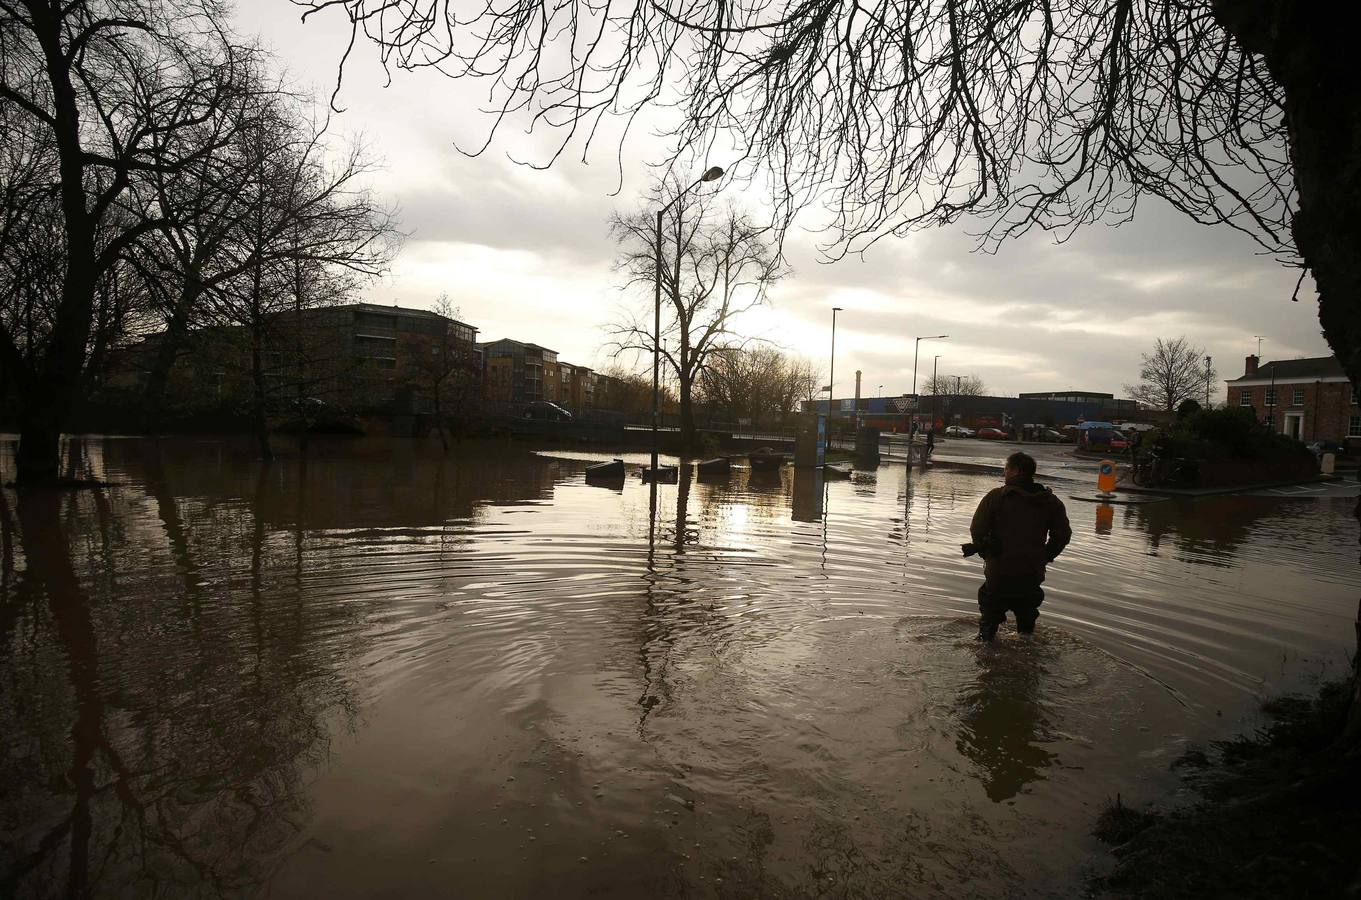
(1050, 436)
(1094, 438)
(958, 431)
(992, 434)
(547, 411)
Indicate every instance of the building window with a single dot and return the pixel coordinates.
(1297, 398)
(1270, 396)
(1354, 427)
(1245, 398)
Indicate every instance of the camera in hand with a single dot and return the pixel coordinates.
(986, 547)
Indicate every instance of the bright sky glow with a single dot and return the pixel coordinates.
(526, 254)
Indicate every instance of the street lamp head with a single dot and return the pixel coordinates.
(714, 173)
(836, 309)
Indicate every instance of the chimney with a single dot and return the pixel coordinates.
(857, 388)
(1250, 364)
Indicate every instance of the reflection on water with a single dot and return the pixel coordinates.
(384, 670)
(1002, 722)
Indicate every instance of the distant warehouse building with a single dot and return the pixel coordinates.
(1111, 406)
(1307, 399)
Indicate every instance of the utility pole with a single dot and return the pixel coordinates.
(831, 371)
(1207, 382)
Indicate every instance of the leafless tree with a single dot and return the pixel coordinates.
(448, 374)
(190, 254)
(307, 229)
(957, 385)
(717, 264)
(621, 390)
(758, 382)
(104, 92)
(1173, 372)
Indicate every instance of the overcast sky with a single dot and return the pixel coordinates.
(526, 254)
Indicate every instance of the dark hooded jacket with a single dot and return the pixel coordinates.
(1028, 523)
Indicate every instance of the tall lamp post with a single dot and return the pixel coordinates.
(1207, 382)
(713, 174)
(916, 349)
(831, 369)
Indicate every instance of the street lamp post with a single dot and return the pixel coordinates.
(831, 369)
(713, 174)
(1207, 382)
(916, 349)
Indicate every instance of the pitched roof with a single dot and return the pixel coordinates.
(1315, 367)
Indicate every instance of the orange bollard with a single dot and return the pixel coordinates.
(1105, 518)
(1105, 480)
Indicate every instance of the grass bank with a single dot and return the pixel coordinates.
(1276, 814)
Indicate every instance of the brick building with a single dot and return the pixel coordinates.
(357, 357)
(516, 373)
(1307, 399)
(519, 370)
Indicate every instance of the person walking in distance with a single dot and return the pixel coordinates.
(1018, 529)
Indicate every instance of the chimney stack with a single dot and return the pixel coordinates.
(857, 388)
(1250, 364)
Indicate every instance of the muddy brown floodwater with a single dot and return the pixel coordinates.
(385, 672)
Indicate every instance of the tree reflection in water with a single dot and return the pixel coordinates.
(155, 743)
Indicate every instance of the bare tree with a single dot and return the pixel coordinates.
(621, 390)
(104, 92)
(1173, 372)
(957, 385)
(718, 264)
(307, 229)
(190, 252)
(756, 382)
(448, 375)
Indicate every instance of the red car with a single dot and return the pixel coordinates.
(992, 434)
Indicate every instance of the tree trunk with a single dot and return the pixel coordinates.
(57, 381)
(38, 459)
(153, 395)
(687, 415)
(257, 380)
(1314, 61)
(439, 420)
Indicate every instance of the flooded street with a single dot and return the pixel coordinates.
(384, 672)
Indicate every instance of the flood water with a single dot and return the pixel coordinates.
(386, 672)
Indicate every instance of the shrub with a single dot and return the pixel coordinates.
(1230, 433)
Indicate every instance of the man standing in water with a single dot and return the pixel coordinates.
(1019, 528)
